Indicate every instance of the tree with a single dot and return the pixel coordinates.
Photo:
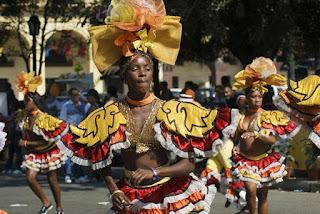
(17, 13)
(255, 28)
(204, 34)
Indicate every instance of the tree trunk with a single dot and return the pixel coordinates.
(212, 67)
(156, 77)
(290, 59)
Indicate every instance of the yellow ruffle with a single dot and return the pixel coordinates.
(222, 159)
(47, 122)
(165, 47)
(187, 119)
(275, 118)
(306, 91)
(99, 125)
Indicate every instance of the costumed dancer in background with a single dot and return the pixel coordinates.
(212, 174)
(41, 155)
(301, 101)
(257, 165)
(142, 127)
(2, 136)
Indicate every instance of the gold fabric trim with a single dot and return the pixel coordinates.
(143, 141)
(99, 125)
(187, 119)
(47, 122)
(276, 118)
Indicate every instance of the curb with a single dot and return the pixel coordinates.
(298, 185)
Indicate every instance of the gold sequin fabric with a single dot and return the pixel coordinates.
(143, 141)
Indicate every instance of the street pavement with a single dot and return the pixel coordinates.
(17, 198)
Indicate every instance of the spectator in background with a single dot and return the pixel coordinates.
(15, 136)
(73, 112)
(234, 99)
(53, 105)
(165, 93)
(219, 100)
(93, 101)
(111, 94)
(93, 104)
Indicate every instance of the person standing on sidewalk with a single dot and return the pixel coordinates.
(73, 112)
(41, 155)
(256, 164)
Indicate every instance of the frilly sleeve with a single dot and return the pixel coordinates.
(2, 136)
(191, 131)
(278, 124)
(93, 141)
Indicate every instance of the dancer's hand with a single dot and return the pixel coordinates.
(22, 143)
(120, 202)
(235, 150)
(139, 175)
(247, 135)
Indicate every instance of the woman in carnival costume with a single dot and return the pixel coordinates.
(42, 155)
(142, 127)
(301, 101)
(257, 165)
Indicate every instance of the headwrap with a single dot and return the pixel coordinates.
(259, 73)
(27, 82)
(136, 25)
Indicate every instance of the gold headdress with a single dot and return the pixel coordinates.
(27, 82)
(259, 73)
(136, 25)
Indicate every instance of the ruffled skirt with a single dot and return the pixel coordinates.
(178, 195)
(263, 172)
(46, 161)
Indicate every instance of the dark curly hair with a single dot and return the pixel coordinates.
(36, 98)
(125, 61)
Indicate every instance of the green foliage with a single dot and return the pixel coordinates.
(311, 161)
(283, 147)
(77, 67)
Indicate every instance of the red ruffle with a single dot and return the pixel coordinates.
(98, 153)
(156, 194)
(204, 145)
(55, 133)
(281, 130)
(260, 164)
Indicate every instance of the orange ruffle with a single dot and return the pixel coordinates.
(150, 12)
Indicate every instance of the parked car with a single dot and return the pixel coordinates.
(205, 96)
(176, 92)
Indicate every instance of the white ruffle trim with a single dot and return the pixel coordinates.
(195, 186)
(44, 165)
(2, 136)
(255, 171)
(197, 154)
(282, 106)
(315, 138)
(229, 130)
(87, 162)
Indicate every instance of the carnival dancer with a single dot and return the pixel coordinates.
(2, 136)
(41, 155)
(142, 127)
(257, 165)
(301, 101)
(217, 172)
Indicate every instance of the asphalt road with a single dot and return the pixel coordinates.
(85, 198)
